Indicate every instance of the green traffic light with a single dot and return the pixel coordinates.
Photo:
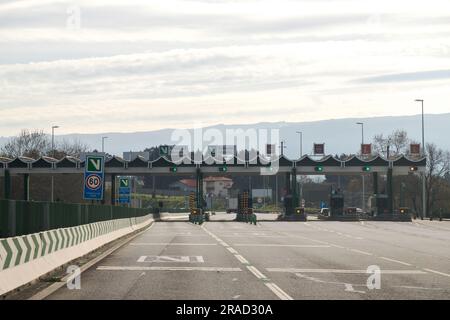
(173, 169)
(319, 169)
(366, 169)
(223, 169)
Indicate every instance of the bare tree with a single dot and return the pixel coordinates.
(29, 143)
(396, 143)
(70, 148)
(438, 166)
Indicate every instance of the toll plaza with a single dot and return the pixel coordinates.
(115, 167)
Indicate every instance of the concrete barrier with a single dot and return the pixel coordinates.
(26, 258)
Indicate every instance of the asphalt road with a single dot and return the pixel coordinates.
(275, 260)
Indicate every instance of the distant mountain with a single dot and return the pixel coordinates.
(339, 136)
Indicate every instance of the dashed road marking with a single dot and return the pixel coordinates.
(281, 245)
(278, 291)
(170, 244)
(349, 288)
(344, 271)
(165, 259)
(232, 250)
(241, 259)
(396, 261)
(272, 286)
(362, 252)
(139, 268)
(437, 272)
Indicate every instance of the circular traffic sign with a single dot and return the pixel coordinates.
(93, 181)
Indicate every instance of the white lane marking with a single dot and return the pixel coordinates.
(272, 286)
(419, 288)
(362, 252)
(163, 259)
(278, 291)
(281, 245)
(437, 272)
(170, 235)
(137, 268)
(223, 243)
(396, 261)
(232, 250)
(170, 244)
(294, 270)
(349, 288)
(340, 247)
(241, 259)
(256, 272)
(236, 297)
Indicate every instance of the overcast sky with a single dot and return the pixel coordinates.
(129, 65)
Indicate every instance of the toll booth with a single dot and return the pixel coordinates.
(288, 204)
(336, 204)
(245, 209)
(380, 204)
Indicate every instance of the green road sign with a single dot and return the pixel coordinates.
(163, 150)
(124, 182)
(94, 177)
(94, 164)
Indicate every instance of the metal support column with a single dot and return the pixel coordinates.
(288, 183)
(113, 189)
(7, 184)
(295, 203)
(26, 187)
(375, 183)
(390, 191)
(199, 188)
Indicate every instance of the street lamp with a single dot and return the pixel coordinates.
(362, 131)
(52, 196)
(363, 179)
(301, 142)
(103, 144)
(424, 207)
(53, 140)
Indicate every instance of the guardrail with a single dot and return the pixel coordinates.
(26, 217)
(28, 257)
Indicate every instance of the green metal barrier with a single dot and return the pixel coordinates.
(25, 217)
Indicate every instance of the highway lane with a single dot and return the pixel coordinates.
(172, 260)
(274, 260)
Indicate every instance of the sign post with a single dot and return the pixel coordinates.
(94, 177)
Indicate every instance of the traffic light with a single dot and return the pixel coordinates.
(366, 169)
(318, 169)
(413, 169)
(223, 169)
(173, 169)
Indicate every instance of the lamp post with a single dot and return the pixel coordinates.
(424, 206)
(301, 142)
(301, 155)
(363, 179)
(53, 140)
(103, 144)
(52, 196)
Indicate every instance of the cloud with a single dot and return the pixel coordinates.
(408, 77)
(146, 65)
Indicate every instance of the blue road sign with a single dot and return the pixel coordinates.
(94, 177)
(124, 190)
